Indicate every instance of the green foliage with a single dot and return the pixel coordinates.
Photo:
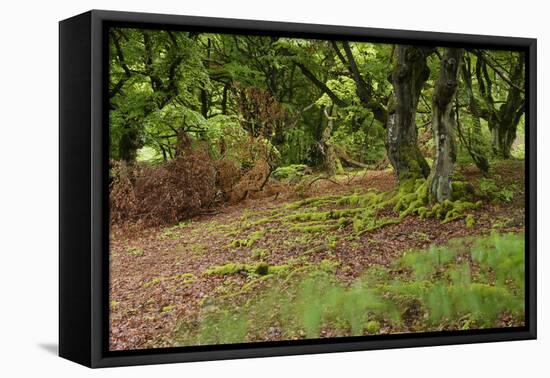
(293, 172)
(504, 254)
(490, 189)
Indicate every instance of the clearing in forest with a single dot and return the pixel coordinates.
(267, 188)
(173, 285)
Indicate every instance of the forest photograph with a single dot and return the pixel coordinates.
(267, 188)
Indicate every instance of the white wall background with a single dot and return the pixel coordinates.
(29, 174)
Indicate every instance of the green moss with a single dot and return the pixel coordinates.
(169, 233)
(259, 253)
(332, 242)
(229, 268)
(136, 251)
(186, 278)
(322, 215)
(260, 222)
(154, 281)
(438, 284)
(327, 265)
(166, 309)
(412, 161)
(376, 224)
(457, 209)
(314, 201)
(277, 269)
(113, 304)
(462, 190)
(261, 268)
(421, 235)
(373, 327)
(313, 228)
(291, 172)
(469, 221)
(495, 192)
(249, 241)
(410, 198)
(197, 248)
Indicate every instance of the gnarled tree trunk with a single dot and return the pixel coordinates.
(502, 121)
(443, 124)
(473, 140)
(408, 77)
(509, 115)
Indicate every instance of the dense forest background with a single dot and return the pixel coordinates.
(254, 104)
(240, 160)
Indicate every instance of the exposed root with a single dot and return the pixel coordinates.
(410, 198)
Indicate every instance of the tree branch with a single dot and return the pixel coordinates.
(319, 84)
(498, 70)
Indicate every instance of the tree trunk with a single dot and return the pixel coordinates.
(409, 75)
(332, 162)
(503, 121)
(128, 145)
(509, 115)
(443, 124)
(473, 141)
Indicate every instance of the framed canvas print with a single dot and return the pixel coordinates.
(233, 188)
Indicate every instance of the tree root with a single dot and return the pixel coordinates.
(410, 198)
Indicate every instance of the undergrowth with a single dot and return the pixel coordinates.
(469, 283)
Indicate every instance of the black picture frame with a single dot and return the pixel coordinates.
(83, 194)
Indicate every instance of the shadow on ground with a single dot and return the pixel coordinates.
(51, 348)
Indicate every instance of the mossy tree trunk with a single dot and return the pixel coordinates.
(332, 162)
(502, 120)
(509, 115)
(473, 141)
(409, 75)
(443, 124)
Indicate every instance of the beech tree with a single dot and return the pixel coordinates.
(408, 77)
(443, 124)
(501, 89)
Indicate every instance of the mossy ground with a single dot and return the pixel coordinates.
(343, 229)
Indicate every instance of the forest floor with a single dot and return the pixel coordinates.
(159, 275)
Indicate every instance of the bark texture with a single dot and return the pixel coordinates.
(473, 141)
(332, 162)
(409, 75)
(502, 120)
(443, 124)
(509, 115)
